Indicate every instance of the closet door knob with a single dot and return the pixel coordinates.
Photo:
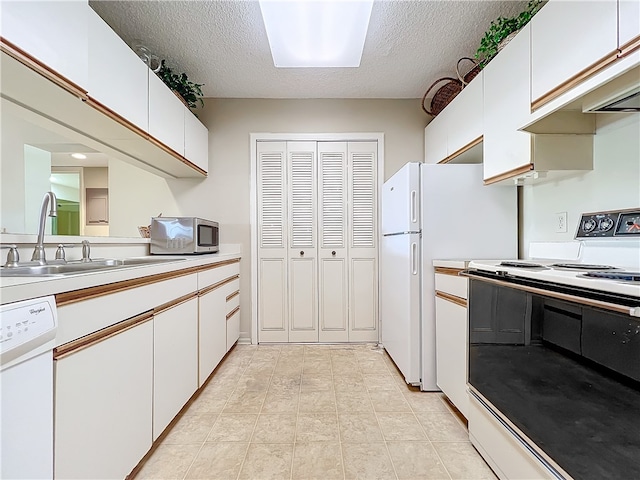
(302, 253)
(333, 253)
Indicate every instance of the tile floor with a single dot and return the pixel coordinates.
(309, 412)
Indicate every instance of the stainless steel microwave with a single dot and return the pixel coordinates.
(183, 235)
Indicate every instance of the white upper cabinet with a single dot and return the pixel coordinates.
(117, 77)
(196, 140)
(628, 23)
(166, 115)
(568, 38)
(508, 152)
(466, 117)
(458, 127)
(54, 33)
(506, 105)
(435, 138)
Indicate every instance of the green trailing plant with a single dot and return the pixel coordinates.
(188, 90)
(501, 28)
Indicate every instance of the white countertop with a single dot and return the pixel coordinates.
(452, 263)
(13, 289)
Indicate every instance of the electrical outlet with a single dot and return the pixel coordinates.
(561, 222)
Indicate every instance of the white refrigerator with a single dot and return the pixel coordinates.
(434, 212)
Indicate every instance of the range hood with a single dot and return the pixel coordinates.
(628, 101)
(615, 90)
(621, 94)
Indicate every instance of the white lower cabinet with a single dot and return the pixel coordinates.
(212, 339)
(175, 361)
(451, 339)
(103, 401)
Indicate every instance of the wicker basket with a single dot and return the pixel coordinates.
(443, 96)
(471, 74)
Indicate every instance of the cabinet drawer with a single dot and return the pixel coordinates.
(506, 455)
(217, 274)
(452, 284)
(81, 318)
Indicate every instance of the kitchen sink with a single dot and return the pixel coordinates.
(74, 268)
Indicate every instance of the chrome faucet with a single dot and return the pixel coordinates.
(86, 251)
(49, 200)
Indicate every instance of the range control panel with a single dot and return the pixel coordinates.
(621, 223)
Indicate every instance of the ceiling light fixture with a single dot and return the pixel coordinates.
(316, 33)
(79, 156)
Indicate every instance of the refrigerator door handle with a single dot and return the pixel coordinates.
(414, 206)
(414, 258)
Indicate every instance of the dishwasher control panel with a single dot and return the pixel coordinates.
(26, 325)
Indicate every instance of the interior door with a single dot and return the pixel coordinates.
(332, 243)
(363, 228)
(302, 251)
(273, 311)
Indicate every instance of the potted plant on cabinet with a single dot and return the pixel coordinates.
(189, 92)
(502, 30)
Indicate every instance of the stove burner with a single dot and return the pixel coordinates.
(619, 276)
(581, 266)
(521, 265)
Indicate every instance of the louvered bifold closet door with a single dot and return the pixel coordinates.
(363, 240)
(273, 309)
(332, 248)
(303, 275)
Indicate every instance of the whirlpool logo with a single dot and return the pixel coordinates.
(36, 311)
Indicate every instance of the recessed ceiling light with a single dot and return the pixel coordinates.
(79, 156)
(316, 33)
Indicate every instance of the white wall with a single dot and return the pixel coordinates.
(614, 183)
(134, 197)
(224, 195)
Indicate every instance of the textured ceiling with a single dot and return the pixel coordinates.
(223, 44)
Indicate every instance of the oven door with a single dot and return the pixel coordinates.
(207, 237)
(560, 367)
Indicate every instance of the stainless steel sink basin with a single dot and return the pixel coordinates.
(74, 268)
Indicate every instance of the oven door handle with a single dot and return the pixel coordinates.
(631, 311)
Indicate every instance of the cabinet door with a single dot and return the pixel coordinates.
(435, 139)
(175, 361)
(196, 140)
(628, 23)
(506, 106)
(118, 79)
(363, 241)
(55, 33)
(332, 243)
(103, 399)
(273, 312)
(451, 352)
(302, 251)
(166, 115)
(465, 114)
(568, 37)
(212, 336)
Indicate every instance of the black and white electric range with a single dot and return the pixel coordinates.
(554, 353)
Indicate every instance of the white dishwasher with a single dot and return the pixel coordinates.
(27, 333)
